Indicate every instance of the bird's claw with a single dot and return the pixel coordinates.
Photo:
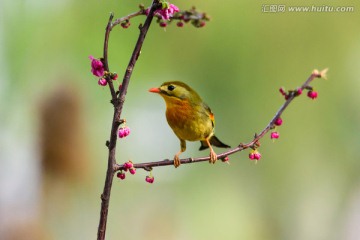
(177, 162)
(213, 157)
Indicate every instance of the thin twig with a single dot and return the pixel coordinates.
(128, 17)
(167, 162)
(105, 59)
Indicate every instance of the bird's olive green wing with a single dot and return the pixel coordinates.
(213, 141)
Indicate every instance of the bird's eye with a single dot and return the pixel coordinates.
(171, 87)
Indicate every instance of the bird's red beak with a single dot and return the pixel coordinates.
(154, 90)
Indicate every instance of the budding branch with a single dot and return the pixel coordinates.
(118, 99)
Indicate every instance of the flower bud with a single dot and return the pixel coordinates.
(102, 82)
(162, 24)
(312, 94)
(128, 165)
(274, 135)
(180, 24)
(254, 155)
(123, 132)
(121, 175)
(149, 179)
(282, 91)
(278, 121)
(257, 156)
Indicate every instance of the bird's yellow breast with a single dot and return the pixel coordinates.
(189, 122)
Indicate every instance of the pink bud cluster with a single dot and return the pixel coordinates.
(169, 12)
(255, 155)
(128, 166)
(98, 70)
(286, 95)
(311, 93)
(97, 67)
(166, 12)
(275, 135)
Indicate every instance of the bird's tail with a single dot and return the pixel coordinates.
(213, 141)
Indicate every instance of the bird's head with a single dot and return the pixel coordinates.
(175, 91)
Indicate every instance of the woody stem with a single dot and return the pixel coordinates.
(118, 105)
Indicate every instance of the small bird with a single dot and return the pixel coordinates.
(189, 117)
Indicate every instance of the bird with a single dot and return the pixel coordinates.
(189, 117)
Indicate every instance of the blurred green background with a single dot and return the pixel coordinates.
(306, 186)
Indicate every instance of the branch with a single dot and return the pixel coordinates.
(128, 17)
(252, 144)
(118, 104)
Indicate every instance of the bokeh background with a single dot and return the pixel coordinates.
(55, 120)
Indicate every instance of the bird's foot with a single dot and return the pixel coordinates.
(213, 157)
(177, 162)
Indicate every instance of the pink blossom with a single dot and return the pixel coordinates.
(166, 12)
(97, 67)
